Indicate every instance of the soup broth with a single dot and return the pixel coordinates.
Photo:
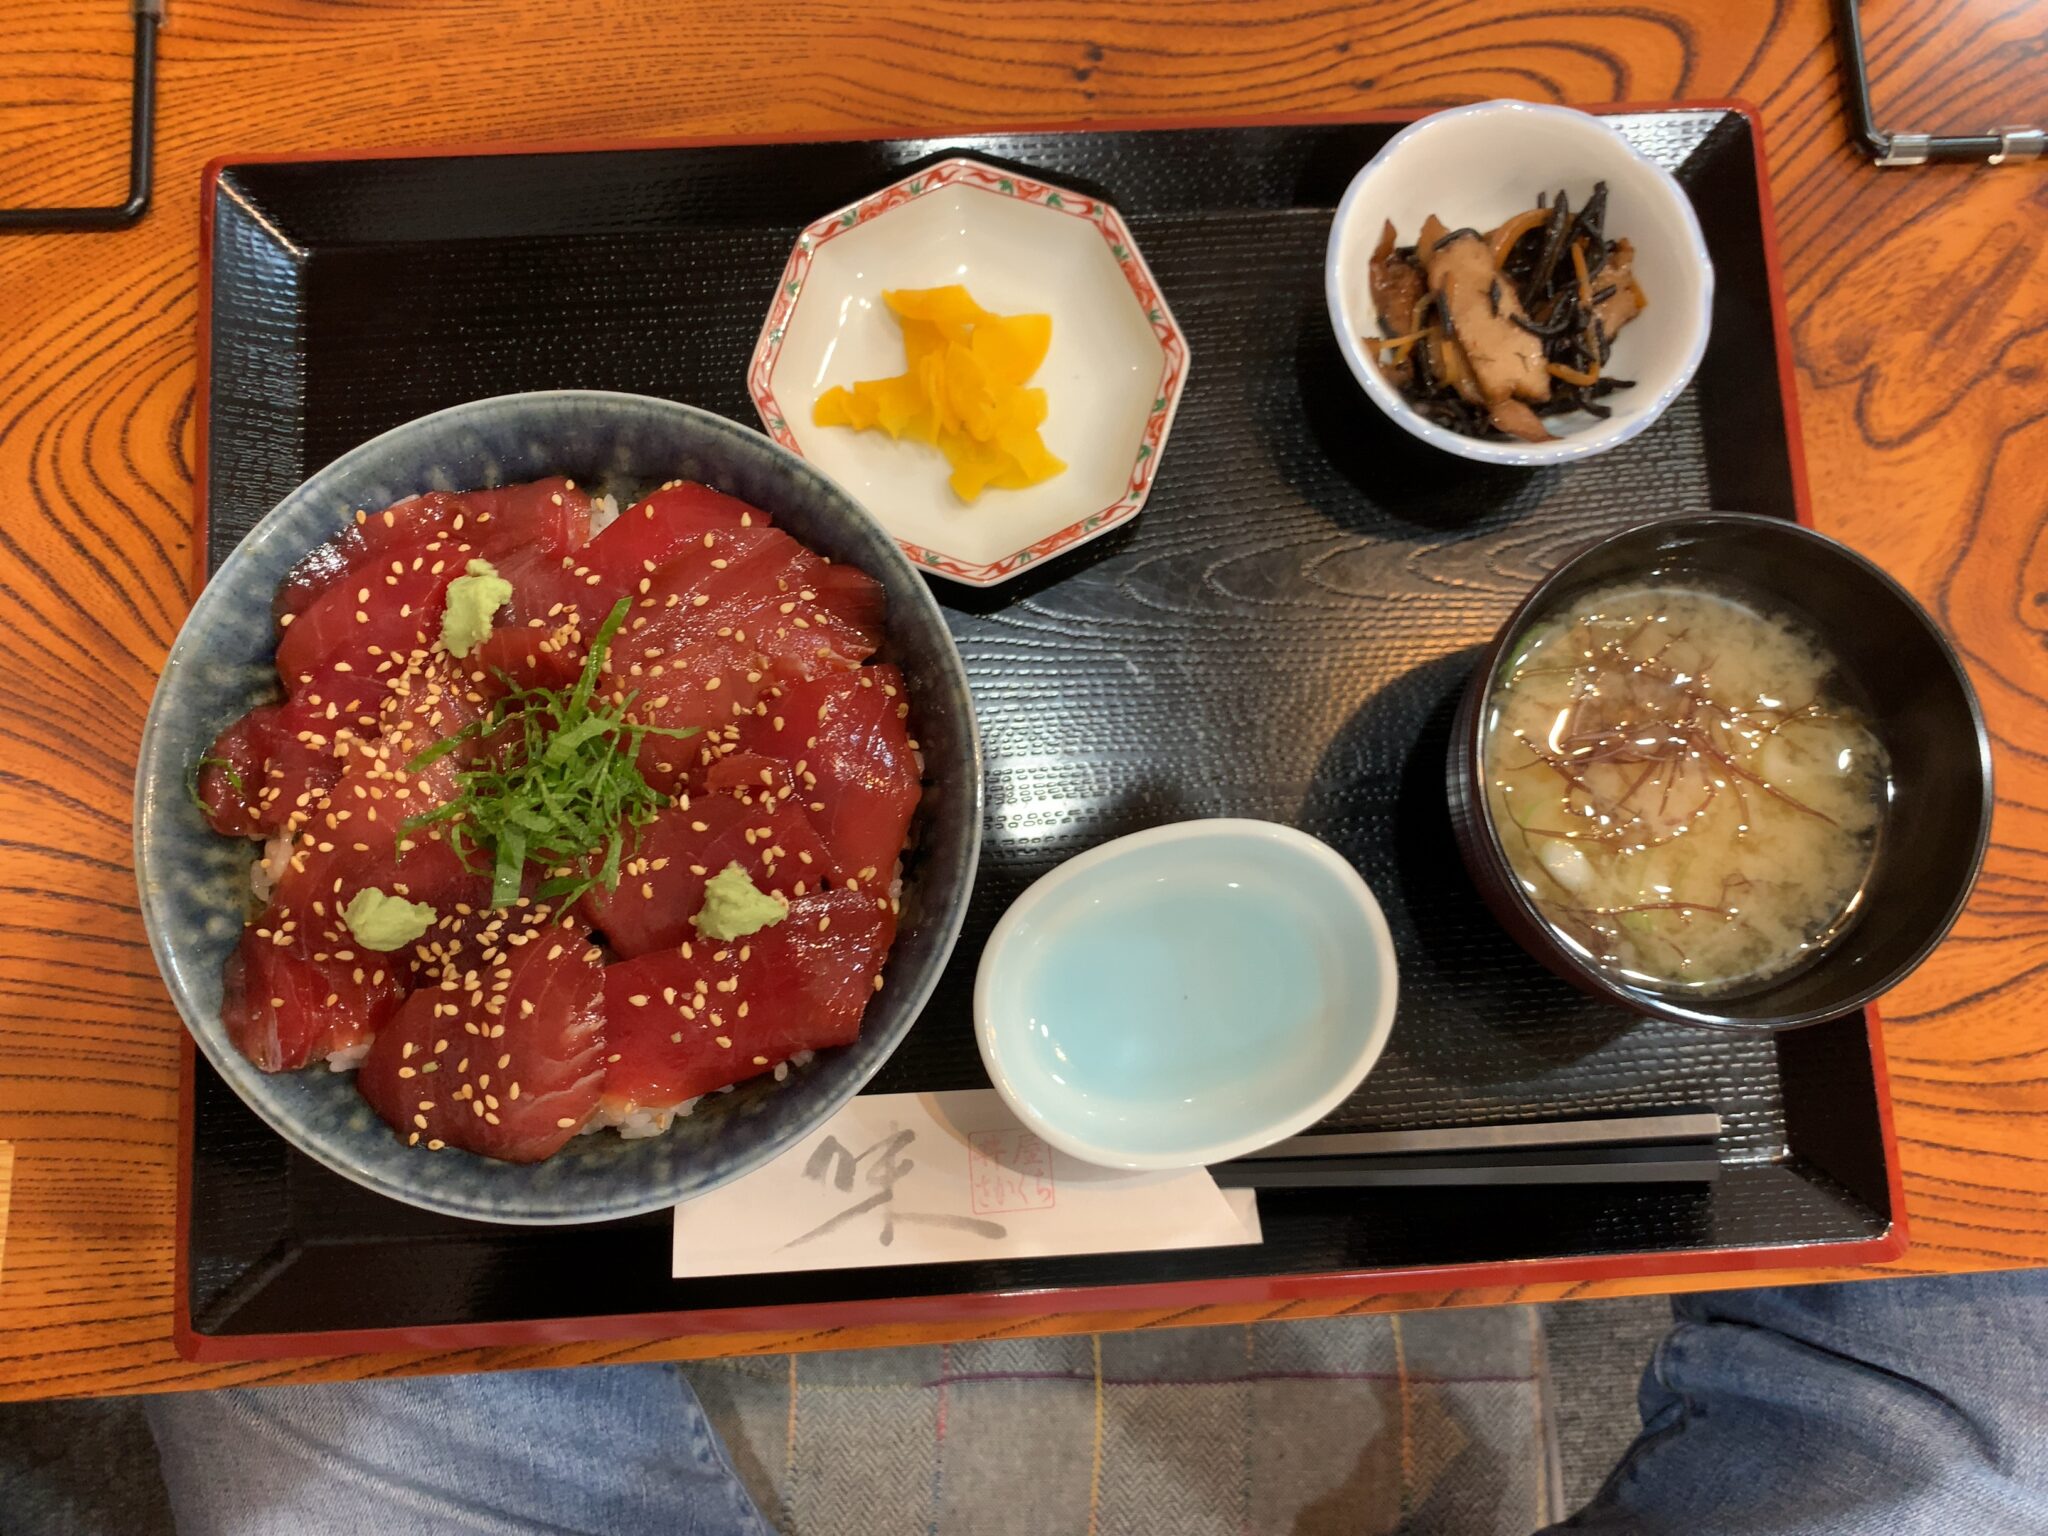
(1677, 788)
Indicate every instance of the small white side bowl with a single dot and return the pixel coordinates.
(1478, 165)
(1113, 377)
(1182, 996)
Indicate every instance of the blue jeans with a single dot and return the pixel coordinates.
(1883, 1408)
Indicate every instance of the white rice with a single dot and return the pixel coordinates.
(348, 1059)
(268, 869)
(604, 511)
(633, 1122)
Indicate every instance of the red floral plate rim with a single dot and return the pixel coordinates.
(960, 171)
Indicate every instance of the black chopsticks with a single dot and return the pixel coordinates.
(1674, 1147)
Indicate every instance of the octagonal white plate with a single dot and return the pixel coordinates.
(1113, 376)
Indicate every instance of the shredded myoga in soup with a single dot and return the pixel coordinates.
(1678, 790)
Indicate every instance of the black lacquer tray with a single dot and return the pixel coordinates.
(1281, 634)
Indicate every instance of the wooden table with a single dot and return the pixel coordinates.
(1919, 304)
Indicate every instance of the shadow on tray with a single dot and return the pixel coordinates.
(1368, 472)
(1492, 1014)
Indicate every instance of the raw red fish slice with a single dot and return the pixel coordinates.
(538, 639)
(347, 702)
(765, 586)
(511, 1073)
(284, 1008)
(272, 761)
(684, 698)
(710, 563)
(858, 775)
(855, 597)
(803, 984)
(661, 887)
(369, 621)
(409, 525)
(720, 580)
(816, 970)
(546, 514)
(232, 774)
(804, 628)
(361, 839)
(723, 620)
(750, 773)
(686, 655)
(702, 683)
(650, 533)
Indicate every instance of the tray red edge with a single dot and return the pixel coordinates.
(970, 1306)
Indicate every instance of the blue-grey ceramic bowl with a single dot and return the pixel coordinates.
(194, 883)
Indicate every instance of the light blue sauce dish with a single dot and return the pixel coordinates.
(1186, 995)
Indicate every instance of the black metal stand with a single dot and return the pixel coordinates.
(149, 16)
(2007, 146)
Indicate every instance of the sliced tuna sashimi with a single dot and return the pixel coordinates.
(348, 702)
(651, 532)
(284, 1007)
(661, 887)
(488, 523)
(854, 596)
(686, 655)
(408, 526)
(509, 1067)
(263, 772)
(847, 737)
(683, 1023)
(793, 607)
(818, 620)
(551, 517)
(362, 837)
(751, 773)
(725, 617)
(816, 969)
(367, 624)
(539, 638)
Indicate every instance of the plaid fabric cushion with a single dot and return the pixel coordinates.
(1413, 1424)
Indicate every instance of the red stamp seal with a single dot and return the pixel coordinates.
(1009, 1171)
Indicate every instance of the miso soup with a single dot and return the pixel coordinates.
(1678, 788)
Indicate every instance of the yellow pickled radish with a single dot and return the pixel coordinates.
(962, 390)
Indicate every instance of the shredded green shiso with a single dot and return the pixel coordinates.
(564, 790)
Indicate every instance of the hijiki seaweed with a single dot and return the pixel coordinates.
(1488, 331)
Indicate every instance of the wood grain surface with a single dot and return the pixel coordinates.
(1919, 303)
